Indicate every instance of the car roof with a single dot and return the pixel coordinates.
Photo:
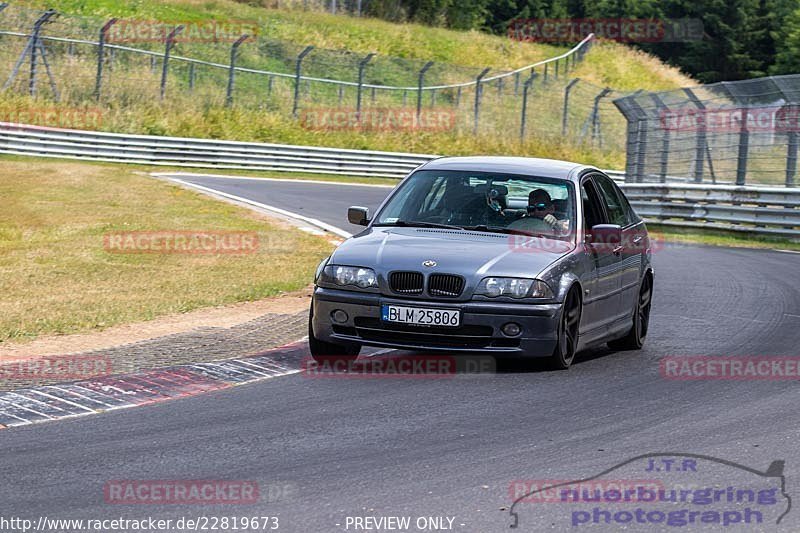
(546, 168)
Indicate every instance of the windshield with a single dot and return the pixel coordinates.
(483, 201)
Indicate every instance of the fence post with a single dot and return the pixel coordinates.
(662, 110)
(191, 77)
(791, 157)
(458, 96)
(34, 43)
(555, 75)
(478, 90)
(567, 90)
(232, 69)
(101, 43)
(788, 115)
(516, 83)
(167, 48)
(700, 143)
(525, 88)
(596, 114)
(361, 66)
(633, 113)
(744, 145)
(297, 66)
(545, 72)
(420, 79)
(641, 146)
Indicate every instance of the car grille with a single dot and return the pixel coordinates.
(406, 282)
(445, 285)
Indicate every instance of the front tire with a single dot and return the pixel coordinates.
(323, 351)
(568, 327)
(634, 340)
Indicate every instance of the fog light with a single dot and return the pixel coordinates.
(511, 329)
(339, 316)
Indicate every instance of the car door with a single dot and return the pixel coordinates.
(601, 302)
(632, 247)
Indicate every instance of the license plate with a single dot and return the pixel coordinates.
(420, 316)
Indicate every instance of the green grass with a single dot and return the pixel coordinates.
(56, 276)
(131, 103)
(715, 237)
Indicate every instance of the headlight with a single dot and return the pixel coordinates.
(362, 277)
(514, 288)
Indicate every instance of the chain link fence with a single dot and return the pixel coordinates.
(132, 66)
(743, 132)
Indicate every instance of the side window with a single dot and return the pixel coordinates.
(631, 215)
(592, 212)
(615, 203)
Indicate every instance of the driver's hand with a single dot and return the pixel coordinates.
(551, 221)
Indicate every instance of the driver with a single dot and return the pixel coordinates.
(541, 215)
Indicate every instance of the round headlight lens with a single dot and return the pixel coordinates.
(345, 275)
(365, 277)
(493, 287)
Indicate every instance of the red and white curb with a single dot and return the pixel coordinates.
(54, 402)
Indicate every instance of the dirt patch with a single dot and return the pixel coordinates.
(221, 317)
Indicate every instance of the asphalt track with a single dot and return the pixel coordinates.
(444, 446)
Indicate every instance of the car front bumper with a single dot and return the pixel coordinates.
(480, 329)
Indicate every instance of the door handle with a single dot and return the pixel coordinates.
(637, 239)
(617, 250)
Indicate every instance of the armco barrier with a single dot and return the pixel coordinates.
(760, 210)
(202, 153)
(763, 210)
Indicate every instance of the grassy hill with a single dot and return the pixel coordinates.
(130, 103)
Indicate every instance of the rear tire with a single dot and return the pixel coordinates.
(329, 352)
(568, 327)
(634, 340)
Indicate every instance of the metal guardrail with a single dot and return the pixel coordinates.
(202, 153)
(771, 211)
(760, 210)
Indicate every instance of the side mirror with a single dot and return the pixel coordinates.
(609, 234)
(358, 215)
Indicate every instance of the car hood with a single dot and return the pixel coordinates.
(473, 255)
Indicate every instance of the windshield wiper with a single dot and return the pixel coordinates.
(418, 224)
(499, 229)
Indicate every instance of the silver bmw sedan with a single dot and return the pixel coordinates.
(510, 256)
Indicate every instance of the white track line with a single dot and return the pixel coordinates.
(170, 175)
(297, 216)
